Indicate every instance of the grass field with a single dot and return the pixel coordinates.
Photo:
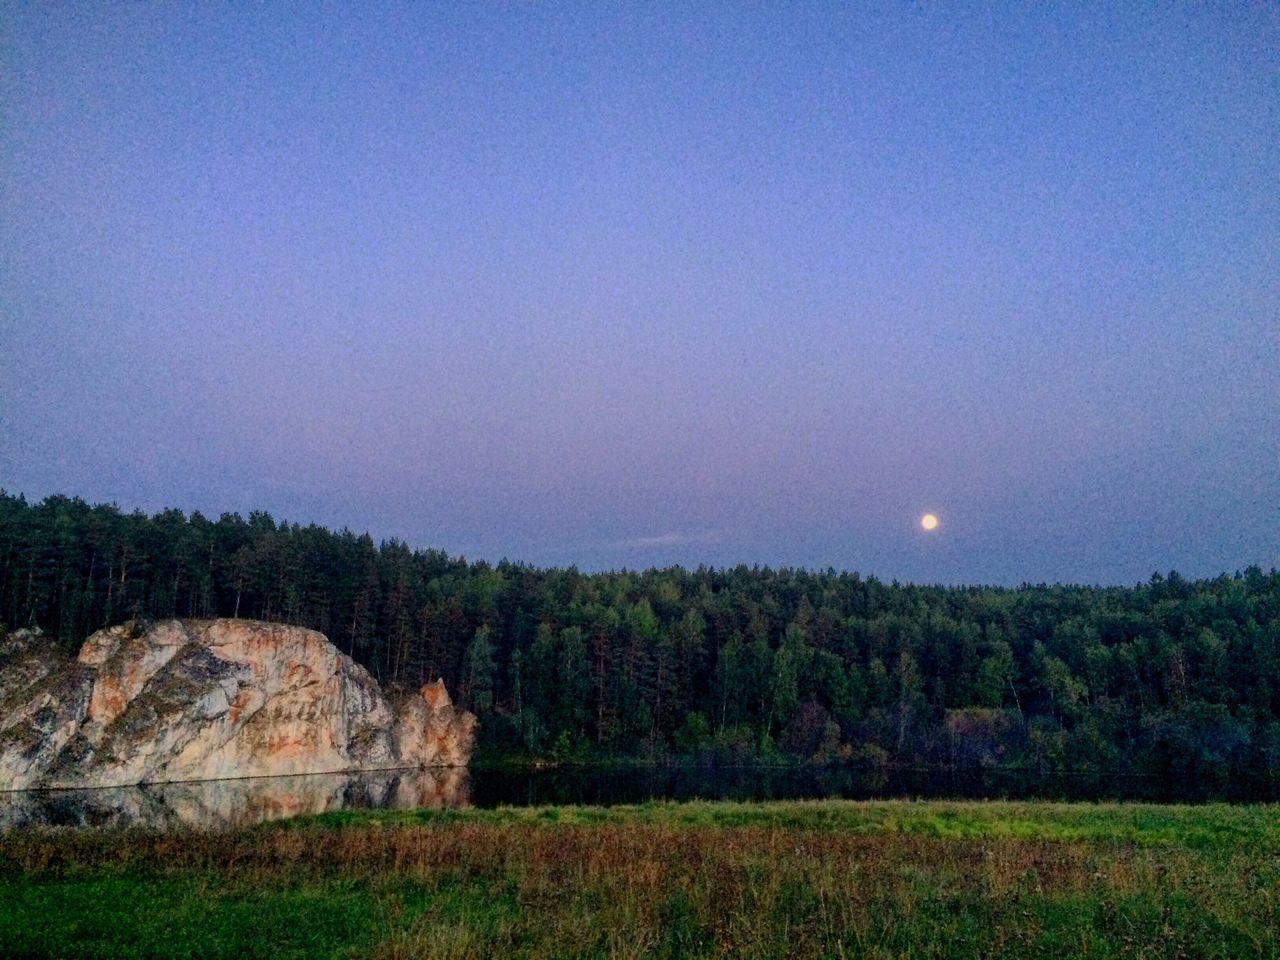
(797, 879)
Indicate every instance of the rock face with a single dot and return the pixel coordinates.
(206, 700)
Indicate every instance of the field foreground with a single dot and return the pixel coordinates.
(796, 879)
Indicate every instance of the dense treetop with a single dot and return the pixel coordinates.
(1167, 676)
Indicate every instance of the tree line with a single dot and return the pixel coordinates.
(1171, 676)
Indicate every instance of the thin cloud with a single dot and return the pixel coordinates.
(673, 538)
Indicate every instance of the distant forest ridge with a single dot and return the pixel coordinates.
(1172, 676)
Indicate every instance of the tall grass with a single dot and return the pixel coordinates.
(814, 879)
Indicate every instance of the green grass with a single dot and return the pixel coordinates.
(796, 879)
(1216, 825)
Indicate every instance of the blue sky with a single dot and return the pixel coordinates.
(638, 284)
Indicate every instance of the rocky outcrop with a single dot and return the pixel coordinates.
(206, 700)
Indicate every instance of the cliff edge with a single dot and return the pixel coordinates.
(207, 700)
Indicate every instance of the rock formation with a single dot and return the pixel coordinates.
(206, 700)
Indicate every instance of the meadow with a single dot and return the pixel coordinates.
(882, 879)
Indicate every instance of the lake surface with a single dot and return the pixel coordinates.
(220, 804)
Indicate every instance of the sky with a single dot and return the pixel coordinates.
(618, 285)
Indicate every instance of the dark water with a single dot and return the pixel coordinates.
(593, 785)
(596, 785)
(230, 803)
(216, 804)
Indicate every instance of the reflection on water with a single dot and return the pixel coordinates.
(231, 803)
(214, 804)
(593, 785)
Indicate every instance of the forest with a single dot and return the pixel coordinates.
(1171, 676)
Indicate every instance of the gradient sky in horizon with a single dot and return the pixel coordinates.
(622, 285)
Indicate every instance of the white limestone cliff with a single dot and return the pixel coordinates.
(204, 700)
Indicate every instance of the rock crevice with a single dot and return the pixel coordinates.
(207, 700)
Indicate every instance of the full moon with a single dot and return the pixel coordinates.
(928, 521)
